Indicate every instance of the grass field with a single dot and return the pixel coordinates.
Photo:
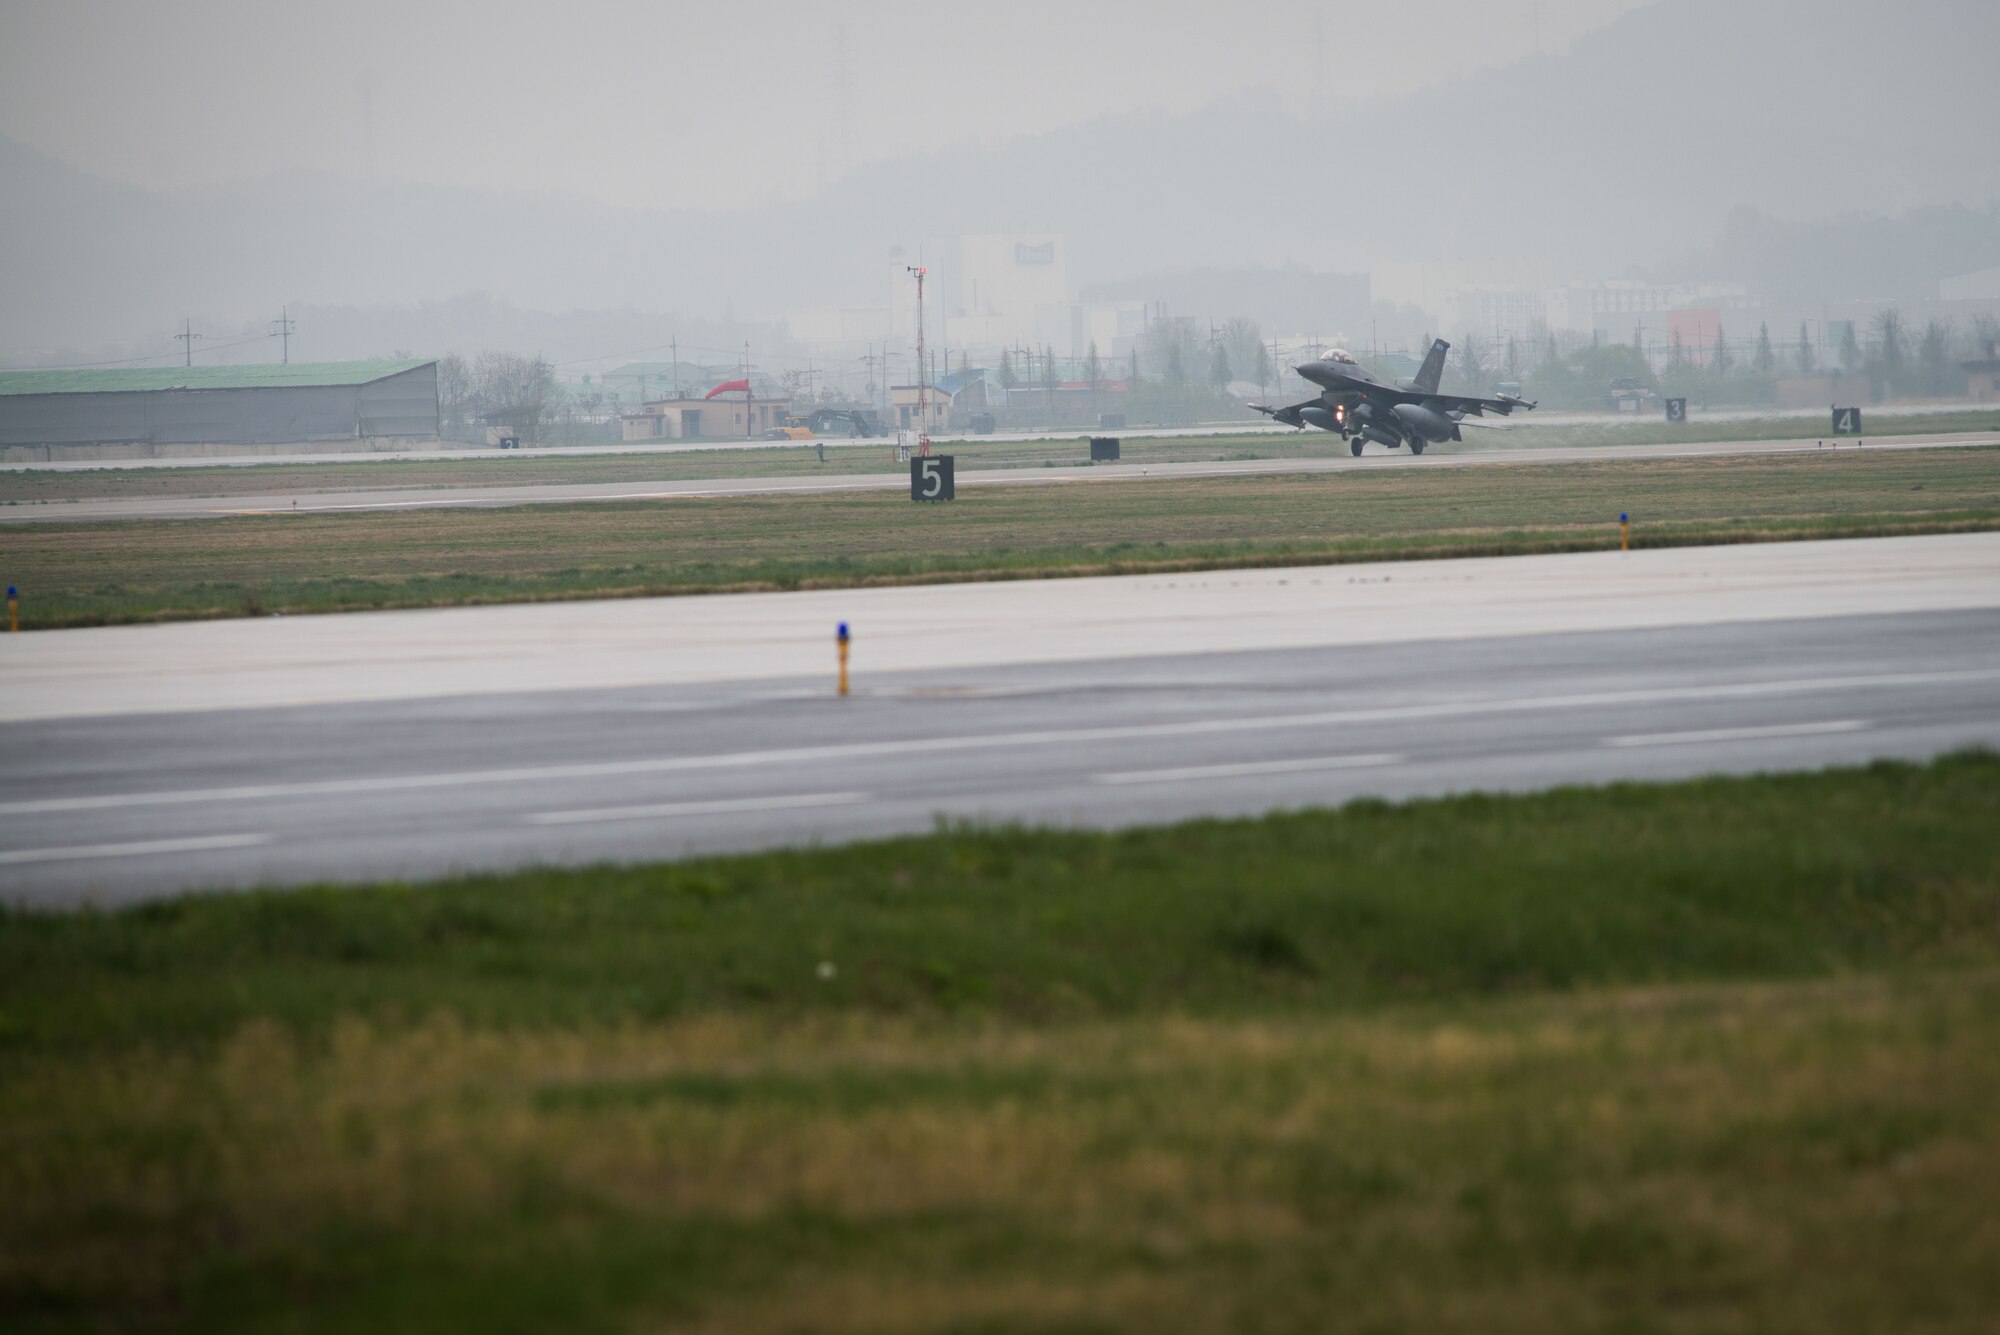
(132, 571)
(1540, 1063)
(442, 470)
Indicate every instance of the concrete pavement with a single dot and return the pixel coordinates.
(149, 760)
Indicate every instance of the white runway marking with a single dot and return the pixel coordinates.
(1246, 769)
(198, 844)
(1736, 734)
(848, 751)
(720, 807)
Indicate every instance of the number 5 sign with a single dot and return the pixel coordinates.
(930, 478)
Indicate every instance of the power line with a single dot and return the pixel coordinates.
(148, 357)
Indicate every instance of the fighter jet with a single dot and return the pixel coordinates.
(1361, 408)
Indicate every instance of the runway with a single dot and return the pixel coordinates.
(1336, 461)
(1252, 426)
(147, 760)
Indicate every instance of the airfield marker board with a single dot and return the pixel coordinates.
(1846, 421)
(1677, 410)
(931, 478)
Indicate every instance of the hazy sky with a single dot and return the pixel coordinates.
(673, 105)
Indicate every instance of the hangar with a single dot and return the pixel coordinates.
(161, 412)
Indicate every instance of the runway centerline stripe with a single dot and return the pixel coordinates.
(197, 844)
(1246, 769)
(797, 755)
(1737, 734)
(718, 807)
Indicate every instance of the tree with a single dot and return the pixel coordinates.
(1007, 378)
(1263, 367)
(1889, 346)
(513, 392)
(1763, 360)
(1172, 347)
(1218, 367)
(1805, 350)
(1850, 350)
(1133, 379)
(1093, 368)
(1723, 361)
(1242, 339)
(1470, 354)
(1512, 364)
(1049, 381)
(454, 389)
(1934, 357)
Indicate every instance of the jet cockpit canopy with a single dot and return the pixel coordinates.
(1339, 355)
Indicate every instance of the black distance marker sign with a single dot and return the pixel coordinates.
(1677, 410)
(1846, 421)
(931, 479)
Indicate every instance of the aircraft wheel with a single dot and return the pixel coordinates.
(1417, 445)
(1355, 445)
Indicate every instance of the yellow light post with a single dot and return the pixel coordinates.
(841, 638)
(1624, 532)
(13, 610)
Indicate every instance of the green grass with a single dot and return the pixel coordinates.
(278, 478)
(1721, 1055)
(84, 574)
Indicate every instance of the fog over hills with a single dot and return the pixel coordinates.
(1693, 133)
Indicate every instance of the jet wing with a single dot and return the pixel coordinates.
(1288, 415)
(1452, 403)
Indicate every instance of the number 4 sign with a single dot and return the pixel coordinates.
(1846, 421)
(931, 479)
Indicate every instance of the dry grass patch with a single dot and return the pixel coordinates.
(1709, 1158)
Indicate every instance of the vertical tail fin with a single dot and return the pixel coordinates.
(1432, 371)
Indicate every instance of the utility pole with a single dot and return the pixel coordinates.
(281, 329)
(674, 343)
(186, 339)
(923, 399)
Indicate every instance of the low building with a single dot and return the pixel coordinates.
(192, 410)
(903, 415)
(690, 418)
(1983, 376)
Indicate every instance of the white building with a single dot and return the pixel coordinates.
(1614, 308)
(1010, 288)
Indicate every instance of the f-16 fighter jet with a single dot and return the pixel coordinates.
(1361, 408)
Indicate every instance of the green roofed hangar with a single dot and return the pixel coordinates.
(159, 412)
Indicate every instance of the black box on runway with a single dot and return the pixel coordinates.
(1103, 449)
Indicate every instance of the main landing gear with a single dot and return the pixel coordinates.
(1355, 446)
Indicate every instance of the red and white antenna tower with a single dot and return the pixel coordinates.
(923, 398)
